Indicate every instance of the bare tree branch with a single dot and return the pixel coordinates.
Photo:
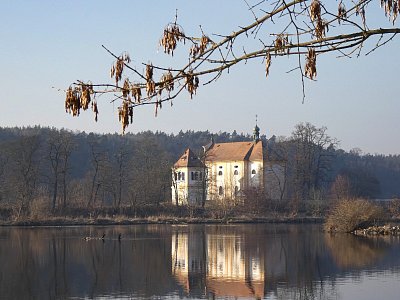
(306, 29)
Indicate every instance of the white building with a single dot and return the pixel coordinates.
(227, 171)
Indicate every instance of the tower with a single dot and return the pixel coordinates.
(187, 179)
(256, 132)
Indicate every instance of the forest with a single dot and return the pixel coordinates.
(50, 172)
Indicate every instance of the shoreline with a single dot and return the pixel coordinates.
(62, 222)
(384, 230)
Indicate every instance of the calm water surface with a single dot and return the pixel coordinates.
(262, 261)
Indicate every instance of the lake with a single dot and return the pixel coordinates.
(252, 261)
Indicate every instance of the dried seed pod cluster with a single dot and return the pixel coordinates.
(87, 90)
(172, 34)
(125, 114)
(150, 84)
(126, 88)
(150, 87)
(267, 63)
(315, 10)
(321, 26)
(118, 67)
(281, 42)
(360, 10)
(192, 83)
(73, 101)
(95, 110)
(311, 64)
(342, 12)
(77, 98)
(136, 92)
(198, 49)
(167, 82)
(158, 105)
(392, 8)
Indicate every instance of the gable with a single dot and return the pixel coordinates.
(188, 159)
(257, 154)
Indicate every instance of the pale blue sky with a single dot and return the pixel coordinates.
(47, 44)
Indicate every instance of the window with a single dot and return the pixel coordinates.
(220, 191)
(220, 173)
(236, 172)
(253, 172)
(236, 190)
(179, 176)
(196, 176)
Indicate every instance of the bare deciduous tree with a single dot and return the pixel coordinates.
(341, 187)
(25, 176)
(312, 159)
(60, 146)
(305, 29)
(99, 162)
(3, 163)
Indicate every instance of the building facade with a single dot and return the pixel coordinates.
(225, 172)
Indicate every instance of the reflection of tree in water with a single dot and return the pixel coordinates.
(287, 262)
(264, 260)
(314, 291)
(349, 251)
(59, 263)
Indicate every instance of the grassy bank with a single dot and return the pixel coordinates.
(153, 214)
(126, 220)
(344, 215)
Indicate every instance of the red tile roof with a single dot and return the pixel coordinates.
(235, 151)
(188, 159)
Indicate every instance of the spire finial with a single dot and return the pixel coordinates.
(256, 132)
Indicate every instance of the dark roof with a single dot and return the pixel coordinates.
(188, 159)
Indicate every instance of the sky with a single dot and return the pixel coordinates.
(46, 45)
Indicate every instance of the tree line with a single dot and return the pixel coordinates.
(46, 171)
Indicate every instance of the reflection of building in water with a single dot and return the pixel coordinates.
(225, 257)
(188, 263)
(180, 253)
(216, 265)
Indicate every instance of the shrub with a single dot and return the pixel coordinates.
(350, 214)
(394, 208)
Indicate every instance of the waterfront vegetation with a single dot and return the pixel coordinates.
(346, 215)
(56, 177)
